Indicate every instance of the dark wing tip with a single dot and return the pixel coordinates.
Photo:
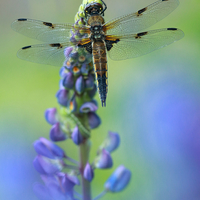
(172, 29)
(21, 19)
(26, 47)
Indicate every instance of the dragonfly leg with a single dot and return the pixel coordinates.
(102, 12)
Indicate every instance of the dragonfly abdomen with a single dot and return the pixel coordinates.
(101, 69)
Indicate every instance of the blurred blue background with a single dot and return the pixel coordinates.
(153, 103)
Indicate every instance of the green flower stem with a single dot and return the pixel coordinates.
(100, 195)
(84, 150)
(72, 160)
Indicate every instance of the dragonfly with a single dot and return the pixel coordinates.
(121, 38)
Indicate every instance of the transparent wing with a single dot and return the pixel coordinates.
(44, 31)
(134, 45)
(50, 54)
(142, 19)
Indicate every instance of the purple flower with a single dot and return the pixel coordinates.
(56, 192)
(118, 180)
(57, 187)
(73, 105)
(50, 178)
(104, 160)
(72, 39)
(48, 149)
(88, 107)
(81, 58)
(63, 72)
(68, 81)
(68, 65)
(111, 142)
(68, 182)
(62, 97)
(42, 192)
(56, 134)
(67, 51)
(89, 82)
(76, 136)
(46, 165)
(76, 71)
(88, 172)
(61, 87)
(50, 115)
(94, 120)
(91, 93)
(84, 69)
(80, 85)
(94, 102)
(74, 55)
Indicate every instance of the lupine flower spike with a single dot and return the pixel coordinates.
(83, 72)
(73, 120)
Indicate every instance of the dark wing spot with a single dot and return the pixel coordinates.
(172, 29)
(87, 46)
(141, 11)
(22, 19)
(109, 43)
(165, 0)
(26, 47)
(58, 45)
(139, 35)
(48, 24)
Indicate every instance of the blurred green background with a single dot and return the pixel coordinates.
(153, 103)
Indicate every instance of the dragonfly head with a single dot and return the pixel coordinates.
(93, 9)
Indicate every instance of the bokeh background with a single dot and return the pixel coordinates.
(153, 103)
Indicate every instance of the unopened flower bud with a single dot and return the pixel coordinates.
(61, 87)
(76, 136)
(48, 149)
(56, 133)
(68, 81)
(62, 97)
(118, 180)
(50, 115)
(84, 69)
(89, 82)
(111, 142)
(80, 85)
(104, 160)
(88, 172)
(94, 120)
(92, 92)
(63, 72)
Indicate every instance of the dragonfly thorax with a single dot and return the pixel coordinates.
(97, 33)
